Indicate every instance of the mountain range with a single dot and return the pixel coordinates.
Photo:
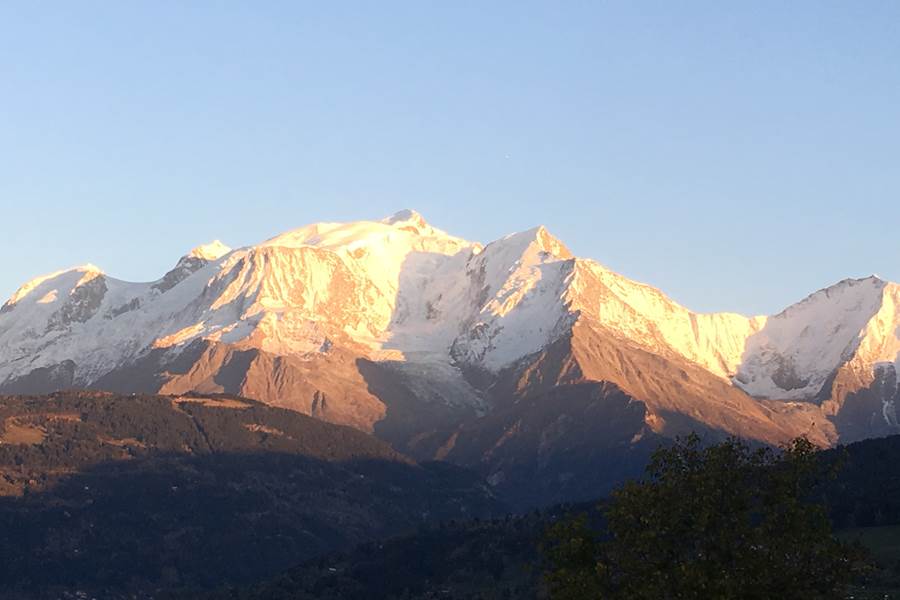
(550, 374)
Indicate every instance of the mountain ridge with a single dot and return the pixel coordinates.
(399, 328)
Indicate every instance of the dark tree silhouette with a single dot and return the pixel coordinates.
(722, 521)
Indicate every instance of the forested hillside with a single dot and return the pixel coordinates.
(124, 494)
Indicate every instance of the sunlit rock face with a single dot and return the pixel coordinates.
(427, 339)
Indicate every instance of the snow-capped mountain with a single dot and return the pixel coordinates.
(435, 343)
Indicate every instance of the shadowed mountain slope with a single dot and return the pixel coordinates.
(111, 493)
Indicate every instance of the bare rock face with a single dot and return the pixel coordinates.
(190, 263)
(187, 266)
(587, 411)
(83, 303)
(864, 405)
(449, 349)
(329, 387)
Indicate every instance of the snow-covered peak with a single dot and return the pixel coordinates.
(551, 244)
(535, 241)
(520, 252)
(190, 263)
(518, 291)
(211, 251)
(89, 268)
(848, 294)
(83, 273)
(406, 216)
(796, 351)
(646, 316)
(404, 230)
(357, 282)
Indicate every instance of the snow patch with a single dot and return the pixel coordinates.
(49, 298)
(211, 251)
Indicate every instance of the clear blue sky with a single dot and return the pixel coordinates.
(738, 155)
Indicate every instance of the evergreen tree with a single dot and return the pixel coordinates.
(715, 522)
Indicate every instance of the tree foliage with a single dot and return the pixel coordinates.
(722, 521)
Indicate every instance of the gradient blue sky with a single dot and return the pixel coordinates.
(737, 155)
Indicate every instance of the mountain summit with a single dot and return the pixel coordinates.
(507, 356)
